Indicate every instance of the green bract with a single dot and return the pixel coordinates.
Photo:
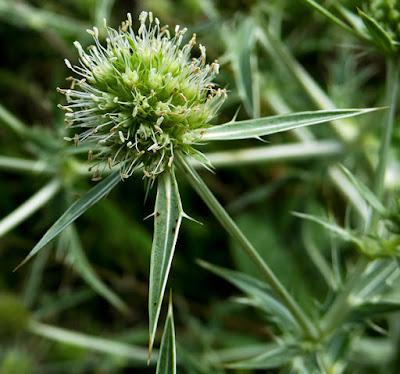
(141, 96)
(387, 14)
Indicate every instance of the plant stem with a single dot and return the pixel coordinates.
(392, 85)
(226, 221)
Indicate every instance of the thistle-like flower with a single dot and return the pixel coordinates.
(139, 98)
(387, 13)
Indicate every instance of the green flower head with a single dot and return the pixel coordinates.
(139, 97)
(387, 13)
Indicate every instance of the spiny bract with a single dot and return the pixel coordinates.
(141, 96)
(387, 13)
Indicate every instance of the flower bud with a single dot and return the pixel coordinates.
(139, 97)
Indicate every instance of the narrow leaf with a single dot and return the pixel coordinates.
(258, 292)
(337, 230)
(88, 342)
(168, 215)
(274, 356)
(370, 309)
(378, 35)
(325, 12)
(274, 124)
(30, 206)
(365, 192)
(167, 357)
(74, 211)
(85, 269)
(240, 46)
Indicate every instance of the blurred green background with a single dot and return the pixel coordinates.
(35, 37)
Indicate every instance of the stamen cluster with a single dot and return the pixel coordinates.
(140, 97)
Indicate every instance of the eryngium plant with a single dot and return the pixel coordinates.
(141, 96)
(141, 101)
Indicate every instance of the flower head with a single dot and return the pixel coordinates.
(139, 97)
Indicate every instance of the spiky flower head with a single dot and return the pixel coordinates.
(139, 97)
(387, 13)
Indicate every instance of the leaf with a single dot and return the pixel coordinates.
(275, 356)
(365, 192)
(370, 309)
(240, 46)
(29, 207)
(259, 292)
(167, 357)
(92, 343)
(85, 269)
(270, 125)
(75, 211)
(168, 215)
(325, 12)
(379, 36)
(376, 280)
(342, 233)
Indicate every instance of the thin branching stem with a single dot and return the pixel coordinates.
(230, 226)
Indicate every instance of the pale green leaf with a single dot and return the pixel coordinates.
(275, 356)
(30, 206)
(379, 277)
(167, 357)
(13, 123)
(342, 233)
(365, 192)
(274, 124)
(76, 210)
(168, 215)
(91, 343)
(259, 292)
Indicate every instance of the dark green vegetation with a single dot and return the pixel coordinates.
(81, 304)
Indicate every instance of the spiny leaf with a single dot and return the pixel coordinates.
(167, 358)
(258, 292)
(270, 125)
(74, 211)
(168, 215)
(275, 356)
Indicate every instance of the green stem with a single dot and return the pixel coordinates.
(226, 221)
(392, 96)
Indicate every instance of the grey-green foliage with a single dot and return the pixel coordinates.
(303, 330)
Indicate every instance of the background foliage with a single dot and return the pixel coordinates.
(57, 315)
